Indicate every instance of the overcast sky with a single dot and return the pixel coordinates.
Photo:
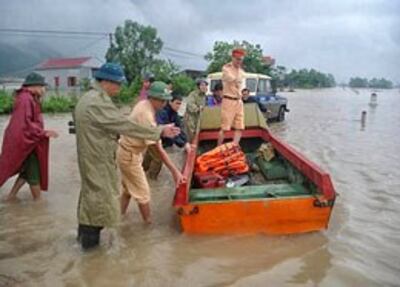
(342, 37)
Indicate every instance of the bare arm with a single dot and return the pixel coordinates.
(178, 177)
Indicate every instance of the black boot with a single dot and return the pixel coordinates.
(89, 236)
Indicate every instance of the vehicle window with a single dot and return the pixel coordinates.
(214, 83)
(251, 84)
(269, 86)
(262, 87)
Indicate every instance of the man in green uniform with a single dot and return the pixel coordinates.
(98, 124)
(194, 105)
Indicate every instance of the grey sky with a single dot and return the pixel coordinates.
(341, 37)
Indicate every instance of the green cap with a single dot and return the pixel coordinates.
(34, 79)
(158, 90)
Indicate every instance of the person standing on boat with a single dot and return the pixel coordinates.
(98, 124)
(194, 105)
(26, 142)
(131, 150)
(152, 162)
(232, 114)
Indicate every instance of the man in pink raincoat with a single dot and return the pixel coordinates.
(26, 143)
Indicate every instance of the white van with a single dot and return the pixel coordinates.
(256, 83)
(273, 106)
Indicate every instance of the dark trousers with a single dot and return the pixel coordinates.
(89, 236)
(152, 162)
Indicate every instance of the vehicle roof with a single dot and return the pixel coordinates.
(218, 75)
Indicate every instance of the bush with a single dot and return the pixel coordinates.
(128, 93)
(58, 104)
(183, 84)
(51, 103)
(6, 102)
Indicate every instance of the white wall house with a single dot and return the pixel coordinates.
(66, 74)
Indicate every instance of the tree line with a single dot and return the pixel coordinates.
(137, 48)
(382, 83)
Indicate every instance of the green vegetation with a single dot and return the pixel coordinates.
(253, 62)
(221, 54)
(59, 104)
(6, 102)
(382, 83)
(137, 48)
(52, 103)
(308, 79)
(183, 84)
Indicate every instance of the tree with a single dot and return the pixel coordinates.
(309, 79)
(358, 82)
(164, 70)
(134, 46)
(168, 70)
(221, 54)
(183, 84)
(380, 84)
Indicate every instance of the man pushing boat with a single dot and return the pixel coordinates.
(98, 124)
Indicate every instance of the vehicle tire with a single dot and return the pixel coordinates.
(281, 114)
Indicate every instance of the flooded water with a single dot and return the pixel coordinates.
(360, 248)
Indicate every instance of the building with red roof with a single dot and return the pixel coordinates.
(67, 74)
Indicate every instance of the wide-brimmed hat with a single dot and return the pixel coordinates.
(110, 72)
(159, 90)
(34, 79)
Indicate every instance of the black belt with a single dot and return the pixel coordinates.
(231, 98)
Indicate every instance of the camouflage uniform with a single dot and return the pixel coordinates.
(194, 105)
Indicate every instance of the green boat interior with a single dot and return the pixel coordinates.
(275, 178)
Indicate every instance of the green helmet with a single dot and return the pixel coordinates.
(158, 90)
(34, 79)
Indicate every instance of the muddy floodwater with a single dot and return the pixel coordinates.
(360, 248)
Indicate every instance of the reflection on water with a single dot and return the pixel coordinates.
(38, 246)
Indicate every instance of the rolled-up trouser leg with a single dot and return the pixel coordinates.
(89, 236)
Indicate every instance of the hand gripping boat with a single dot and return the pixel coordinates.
(283, 193)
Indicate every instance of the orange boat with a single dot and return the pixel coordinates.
(284, 195)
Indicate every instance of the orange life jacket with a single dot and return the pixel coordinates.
(226, 159)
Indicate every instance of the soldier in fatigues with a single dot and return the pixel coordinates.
(194, 105)
(98, 123)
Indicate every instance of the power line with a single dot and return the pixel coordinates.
(33, 67)
(73, 37)
(64, 33)
(183, 52)
(167, 50)
(89, 45)
(174, 55)
(54, 32)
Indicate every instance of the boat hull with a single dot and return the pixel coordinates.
(243, 211)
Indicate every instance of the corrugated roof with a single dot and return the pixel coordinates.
(58, 63)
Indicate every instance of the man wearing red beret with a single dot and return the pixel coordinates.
(232, 115)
